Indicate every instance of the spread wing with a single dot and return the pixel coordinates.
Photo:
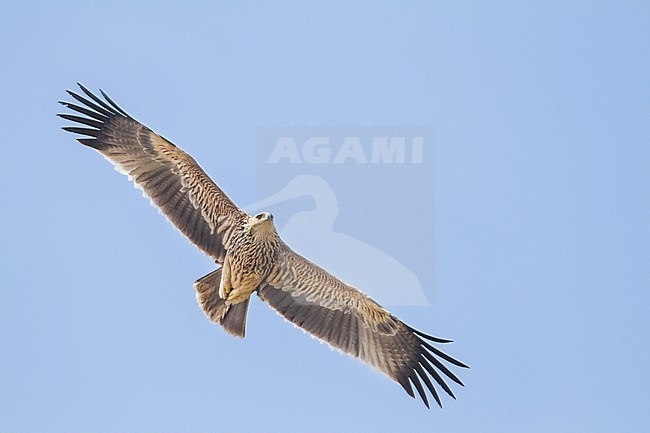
(348, 320)
(168, 176)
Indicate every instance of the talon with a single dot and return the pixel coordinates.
(234, 297)
(224, 292)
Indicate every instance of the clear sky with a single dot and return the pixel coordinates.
(539, 235)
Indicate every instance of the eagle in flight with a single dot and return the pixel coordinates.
(251, 257)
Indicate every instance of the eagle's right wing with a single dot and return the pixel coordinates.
(168, 176)
(348, 320)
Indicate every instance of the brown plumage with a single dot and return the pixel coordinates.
(252, 257)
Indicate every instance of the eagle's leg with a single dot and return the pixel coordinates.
(244, 289)
(226, 283)
(237, 295)
(224, 292)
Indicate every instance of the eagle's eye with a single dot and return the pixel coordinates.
(259, 216)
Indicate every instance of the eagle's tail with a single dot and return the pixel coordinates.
(231, 317)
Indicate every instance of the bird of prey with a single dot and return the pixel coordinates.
(251, 257)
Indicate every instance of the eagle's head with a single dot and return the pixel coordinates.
(262, 223)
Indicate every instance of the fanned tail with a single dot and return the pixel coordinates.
(231, 317)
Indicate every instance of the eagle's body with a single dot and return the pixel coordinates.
(252, 257)
(253, 250)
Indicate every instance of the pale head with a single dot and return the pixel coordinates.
(261, 223)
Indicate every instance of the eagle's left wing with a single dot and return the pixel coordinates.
(171, 178)
(348, 320)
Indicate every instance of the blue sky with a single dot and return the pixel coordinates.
(540, 221)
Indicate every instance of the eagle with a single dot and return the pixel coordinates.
(251, 257)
